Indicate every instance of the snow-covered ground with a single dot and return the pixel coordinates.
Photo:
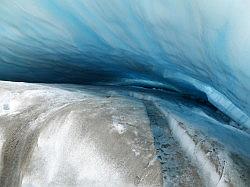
(55, 137)
(68, 135)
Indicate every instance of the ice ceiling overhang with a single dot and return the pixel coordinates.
(187, 45)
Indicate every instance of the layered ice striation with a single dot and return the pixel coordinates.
(195, 47)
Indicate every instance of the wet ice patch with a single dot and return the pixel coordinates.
(6, 107)
(8, 102)
(4, 102)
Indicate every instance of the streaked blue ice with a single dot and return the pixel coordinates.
(190, 45)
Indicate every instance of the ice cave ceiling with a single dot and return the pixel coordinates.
(192, 46)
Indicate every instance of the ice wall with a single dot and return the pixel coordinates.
(186, 44)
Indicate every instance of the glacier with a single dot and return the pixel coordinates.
(192, 46)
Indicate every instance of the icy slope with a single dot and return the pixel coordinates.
(68, 135)
(74, 138)
(189, 45)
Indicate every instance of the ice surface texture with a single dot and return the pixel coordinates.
(186, 44)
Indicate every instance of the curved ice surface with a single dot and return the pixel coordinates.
(189, 45)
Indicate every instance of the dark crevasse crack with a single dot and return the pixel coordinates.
(177, 169)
